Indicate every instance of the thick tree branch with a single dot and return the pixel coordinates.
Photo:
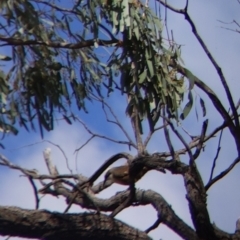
(196, 197)
(196, 194)
(43, 224)
(197, 200)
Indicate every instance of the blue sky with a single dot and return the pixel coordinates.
(223, 201)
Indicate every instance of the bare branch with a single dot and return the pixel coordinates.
(198, 209)
(130, 143)
(116, 122)
(191, 159)
(215, 100)
(5, 162)
(81, 192)
(234, 30)
(211, 58)
(150, 134)
(29, 224)
(33, 173)
(35, 192)
(216, 157)
(98, 172)
(164, 3)
(217, 67)
(51, 167)
(62, 151)
(222, 174)
(155, 225)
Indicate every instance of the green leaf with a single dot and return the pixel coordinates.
(142, 77)
(187, 107)
(202, 103)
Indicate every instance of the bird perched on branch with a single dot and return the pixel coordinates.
(121, 176)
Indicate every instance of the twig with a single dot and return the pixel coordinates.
(191, 159)
(65, 156)
(128, 200)
(102, 136)
(34, 174)
(52, 169)
(56, 145)
(222, 174)
(155, 225)
(78, 190)
(78, 149)
(5, 162)
(149, 136)
(117, 122)
(35, 192)
(216, 157)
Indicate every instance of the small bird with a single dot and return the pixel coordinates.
(120, 175)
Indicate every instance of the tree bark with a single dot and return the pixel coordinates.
(47, 225)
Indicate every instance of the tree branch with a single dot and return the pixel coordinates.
(43, 224)
(196, 197)
(222, 174)
(211, 58)
(87, 43)
(215, 100)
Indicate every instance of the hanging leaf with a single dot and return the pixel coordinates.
(187, 107)
(202, 103)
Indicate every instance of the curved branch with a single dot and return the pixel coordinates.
(209, 55)
(168, 216)
(37, 200)
(97, 174)
(216, 156)
(217, 67)
(212, 96)
(196, 193)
